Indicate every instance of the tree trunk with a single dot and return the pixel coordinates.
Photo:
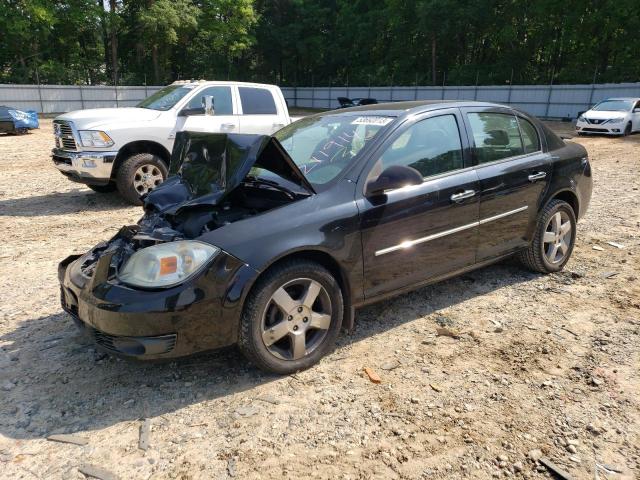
(105, 39)
(114, 41)
(156, 67)
(433, 59)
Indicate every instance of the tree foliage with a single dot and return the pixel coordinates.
(305, 42)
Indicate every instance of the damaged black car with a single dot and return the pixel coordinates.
(271, 242)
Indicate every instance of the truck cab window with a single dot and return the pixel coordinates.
(222, 103)
(257, 101)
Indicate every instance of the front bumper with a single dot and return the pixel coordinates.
(92, 168)
(603, 129)
(201, 314)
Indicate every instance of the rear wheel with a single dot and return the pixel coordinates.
(553, 240)
(138, 175)
(291, 318)
(108, 188)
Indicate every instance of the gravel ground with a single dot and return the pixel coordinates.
(542, 366)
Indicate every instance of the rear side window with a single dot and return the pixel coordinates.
(431, 146)
(222, 103)
(496, 136)
(257, 101)
(529, 136)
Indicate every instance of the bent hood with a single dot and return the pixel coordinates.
(95, 117)
(205, 167)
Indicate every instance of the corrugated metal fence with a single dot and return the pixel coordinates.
(546, 101)
(64, 98)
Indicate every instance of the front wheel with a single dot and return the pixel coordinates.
(291, 318)
(627, 130)
(138, 175)
(553, 240)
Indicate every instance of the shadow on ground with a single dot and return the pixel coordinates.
(53, 381)
(77, 200)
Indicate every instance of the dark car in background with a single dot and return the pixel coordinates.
(18, 122)
(272, 242)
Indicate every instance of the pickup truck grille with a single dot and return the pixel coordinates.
(64, 135)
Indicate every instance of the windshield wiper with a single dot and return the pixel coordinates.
(273, 184)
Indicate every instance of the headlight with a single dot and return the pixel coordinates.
(616, 120)
(95, 138)
(582, 119)
(166, 264)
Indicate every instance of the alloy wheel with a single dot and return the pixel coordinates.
(146, 178)
(557, 237)
(297, 319)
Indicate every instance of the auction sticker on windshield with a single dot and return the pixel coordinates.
(371, 120)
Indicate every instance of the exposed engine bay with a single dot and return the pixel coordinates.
(216, 179)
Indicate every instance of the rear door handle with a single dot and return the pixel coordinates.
(537, 176)
(228, 126)
(458, 197)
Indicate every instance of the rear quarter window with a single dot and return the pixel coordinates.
(257, 101)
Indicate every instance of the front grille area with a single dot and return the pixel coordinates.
(64, 133)
(135, 346)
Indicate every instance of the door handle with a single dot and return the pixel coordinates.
(537, 176)
(458, 197)
(228, 126)
(278, 125)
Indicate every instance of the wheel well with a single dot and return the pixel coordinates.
(143, 146)
(328, 262)
(570, 198)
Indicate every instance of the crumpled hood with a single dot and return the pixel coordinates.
(95, 117)
(205, 167)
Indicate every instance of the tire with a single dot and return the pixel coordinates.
(540, 256)
(264, 320)
(627, 130)
(130, 186)
(108, 188)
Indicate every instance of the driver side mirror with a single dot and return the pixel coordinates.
(207, 103)
(636, 110)
(395, 176)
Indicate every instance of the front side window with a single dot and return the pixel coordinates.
(431, 146)
(496, 136)
(529, 136)
(323, 146)
(257, 101)
(166, 98)
(222, 103)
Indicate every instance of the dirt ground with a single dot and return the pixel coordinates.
(544, 366)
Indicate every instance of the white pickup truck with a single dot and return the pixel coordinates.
(129, 149)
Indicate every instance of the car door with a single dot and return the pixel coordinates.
(635, 117)
(513, 171)
(260, 114)
(225, 114)
(412, 234)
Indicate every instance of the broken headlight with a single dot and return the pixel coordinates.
(167, 264)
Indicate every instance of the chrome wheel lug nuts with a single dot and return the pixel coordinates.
(305, 319)
(290, 318)
(300, 309)
(295, 327)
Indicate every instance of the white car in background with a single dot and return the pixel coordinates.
(613, 116)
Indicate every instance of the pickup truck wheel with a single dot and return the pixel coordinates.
(108, 188)
(553, 239)
(138, 175)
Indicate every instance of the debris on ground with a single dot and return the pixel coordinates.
(73, 439)
(373, 376)
(145, 434)
(555, 469)
(92, 471)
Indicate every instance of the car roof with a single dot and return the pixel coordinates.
(222, 82)
(397, 109)
(621, 98)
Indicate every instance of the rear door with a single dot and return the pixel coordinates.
(513, 171)
(415, 233)
(260, 112)
(225, 113)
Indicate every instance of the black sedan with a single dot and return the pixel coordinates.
(271, 243)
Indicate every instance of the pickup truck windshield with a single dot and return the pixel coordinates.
(166, 98)
(323, 146)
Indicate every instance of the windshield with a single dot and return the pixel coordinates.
(323, 146)
(614, 105)
(166, 98)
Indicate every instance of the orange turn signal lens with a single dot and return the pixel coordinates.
(168, 265)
